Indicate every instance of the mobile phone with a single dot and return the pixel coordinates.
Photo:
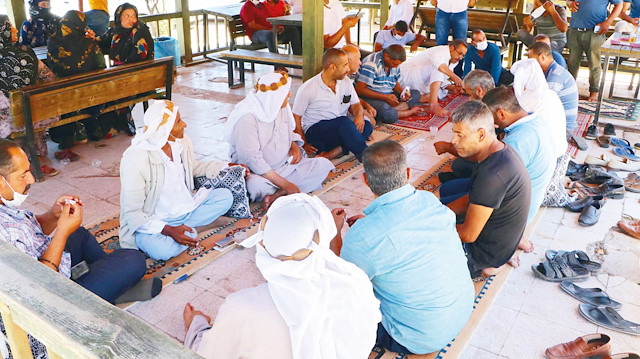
(79, 270)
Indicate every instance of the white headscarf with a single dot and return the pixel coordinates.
(158, 123)
(264, 102)
(528, 77)
(327, 302)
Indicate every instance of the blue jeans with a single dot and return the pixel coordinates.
(385, 340)
(110, 275)
(290, 35)
(161, 247)
(98, 21)
(329, 134)
(454, 189)
(388, 114)
(456, 22)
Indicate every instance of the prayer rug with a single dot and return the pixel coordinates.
(612, 108)
(424, 121)
(582, 122)
(430, 181)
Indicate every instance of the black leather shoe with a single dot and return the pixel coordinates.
(609, 130)
(575, 168)
(591, 213)
(580, 204)
(610, 190)
(592, 133)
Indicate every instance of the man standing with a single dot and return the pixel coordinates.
(586, 34)
(552, 22)
(428, 72)
(408, 236)
(378, 84)
(320, 111)
(400, 35)
(254, 16)
(559, 80)
(497, 205)
(451, 15)
(485, 55)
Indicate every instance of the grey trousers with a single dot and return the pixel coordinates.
(589, 43)
(527, 39)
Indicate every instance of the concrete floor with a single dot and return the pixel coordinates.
(528, 315)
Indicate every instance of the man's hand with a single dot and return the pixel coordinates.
(635, 21)
(434, 3)
(351, 220)
(290, 188)
(359, 122)
(178, 234)
(309, 149)
(295, 152)
(280, 29)
(56, 210)
(573, 5)
(548, 6)
(247, 172)
(442, 147)
(89, 34)
(457, 81)
(338, 217)
(528, 21)
(69, 219)
(350, 21)
(392, 100)
(604, 27)
(414, 47)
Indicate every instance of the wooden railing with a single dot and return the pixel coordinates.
(69, 320)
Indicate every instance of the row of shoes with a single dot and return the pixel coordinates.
(624, 164)
(592, 134)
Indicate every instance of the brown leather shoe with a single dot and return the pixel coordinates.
(630, 228)
(583, 347)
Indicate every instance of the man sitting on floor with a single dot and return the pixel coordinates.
(353, 54)
(408, 236)
(114, 277)
(428, 72)
(400, 35)
(526, 134)
(559, 80)
(497, 204)
(378, 84)
(557, 57)
(314, 304)
(486, 56)
(260, 130)
(320, 111)
(254, 16)
(158, 211)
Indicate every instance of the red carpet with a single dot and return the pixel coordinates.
(423, 122)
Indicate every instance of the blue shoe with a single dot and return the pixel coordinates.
(626, 152)
(620, 142)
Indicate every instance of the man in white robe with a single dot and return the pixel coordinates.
(261, 132)
(314, 305)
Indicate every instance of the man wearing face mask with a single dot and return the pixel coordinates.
(36, 31)
(400, 35)
(486, 56)
(72, 250)
(254, 16)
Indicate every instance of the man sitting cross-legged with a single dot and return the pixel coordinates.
(320, 111)
(378, 84)
(114, 277)
(158, 211)
(499, 197)
(408, 246)
(260, 130)
(314, 304)
(428, 71)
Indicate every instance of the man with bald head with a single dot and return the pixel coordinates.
(320, 111)
(557, 57)
(354, 56)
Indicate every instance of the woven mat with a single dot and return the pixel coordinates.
(612, 108)
(424, 122)
(582, 122)
(106, 231)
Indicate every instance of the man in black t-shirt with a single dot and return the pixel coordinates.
(498, 202)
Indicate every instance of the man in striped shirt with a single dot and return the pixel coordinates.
(377, 83)
(559, 80)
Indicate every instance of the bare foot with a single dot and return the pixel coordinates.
(334, 153)
(514, 261)
(526, 245)
(438, 110)
(268, 200)
(189, 313)
(492, 271)
(593, 97)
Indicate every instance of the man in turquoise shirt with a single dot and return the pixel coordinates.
(526, 134)
(408, 245)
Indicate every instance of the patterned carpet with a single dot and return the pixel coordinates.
(612, 108)
(582, 122)
(425, 121)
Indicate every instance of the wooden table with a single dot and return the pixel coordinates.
(614, 48)
(227, 12)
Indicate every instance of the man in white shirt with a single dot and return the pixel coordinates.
(451, 15)
(401, 10)
(428, 71)
(320, 111)
(337, 26)
(400, 35)
(158, 211)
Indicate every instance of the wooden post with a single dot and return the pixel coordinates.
(18, 340)
(384, 13)
(184, 36)
(312, 37)
(15, 10)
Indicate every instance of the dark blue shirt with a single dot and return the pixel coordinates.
(634, 10)
(557, 57)
(491, 62)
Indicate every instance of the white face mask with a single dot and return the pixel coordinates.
(482, 45)
(397, 36)
(18, 198)
(255, 2)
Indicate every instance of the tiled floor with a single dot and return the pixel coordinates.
(528, 314)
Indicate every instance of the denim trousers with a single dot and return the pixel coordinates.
(589, 43)
(388, 114)
(384, 339)
(454, 22)
(454, 189)
(329, 134)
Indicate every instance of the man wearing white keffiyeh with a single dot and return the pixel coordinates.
(158, 210)
(260, 130)
(314, 305)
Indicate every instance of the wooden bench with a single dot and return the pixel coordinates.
(256, 57)
(117, 87)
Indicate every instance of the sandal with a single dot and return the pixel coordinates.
(626, 152)
(579, 258)
(608, 317)
(593, 296)
(49, 171)
(558, 270)
(620, 142)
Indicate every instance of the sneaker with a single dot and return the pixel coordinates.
(592, 133)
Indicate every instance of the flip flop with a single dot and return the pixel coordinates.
(620, 142)
(575, 258)
(49, 171)
(608, 317)
(558, 270)
(593, 296)
(626, 152)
